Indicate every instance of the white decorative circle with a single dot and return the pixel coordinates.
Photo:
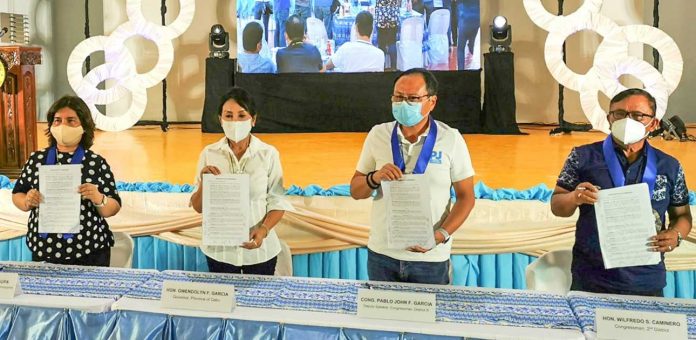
(165, 52)
(186, 11)
(120, 65)
(616, 45)
(611, 60)
(542, 18)
(553, 49)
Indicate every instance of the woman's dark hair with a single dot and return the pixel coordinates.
(241, 97)
(82, 110)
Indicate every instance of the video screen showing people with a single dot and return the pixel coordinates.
(305, 36)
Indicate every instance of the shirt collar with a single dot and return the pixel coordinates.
(622, 156)
(252, 149)
(421, 137)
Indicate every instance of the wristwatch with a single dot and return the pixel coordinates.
(445, 234)
(103, 202)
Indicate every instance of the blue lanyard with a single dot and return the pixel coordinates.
(76, 158)
(51, 159)
(617, 175)
(425, 153)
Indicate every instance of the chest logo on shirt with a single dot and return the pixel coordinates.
(436, 157)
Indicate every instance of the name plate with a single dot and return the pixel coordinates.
(207, 297)
(393, 305)
(624, 324)
(9, 285)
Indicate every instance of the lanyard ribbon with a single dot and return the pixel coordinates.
(425, 153)
(51, 159)
(617, 175)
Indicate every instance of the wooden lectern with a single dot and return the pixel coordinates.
(17, 107)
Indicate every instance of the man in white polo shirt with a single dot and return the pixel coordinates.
(359, 55)
(415, 144)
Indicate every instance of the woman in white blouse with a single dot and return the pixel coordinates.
(239, 152)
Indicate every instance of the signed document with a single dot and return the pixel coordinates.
(59, 211)
(625, 222)
(409, 219)
(225, 210)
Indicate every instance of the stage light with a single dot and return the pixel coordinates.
(219, 42)
(501, 35)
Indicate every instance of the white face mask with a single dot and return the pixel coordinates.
(67, 135)
(628, 131)
(236, 130)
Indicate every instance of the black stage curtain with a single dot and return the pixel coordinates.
(499, 106)
(348, 102)
(219, 77)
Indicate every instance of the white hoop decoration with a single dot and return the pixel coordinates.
(542, 18)
(86, 86)
(561, 29)
(165, 52)
(77, 81)
(611, 59)
(127, 119)
(589, 102)
(617, 44)
(608, 72)
(120, 65)
(187, 9)
(605, 79)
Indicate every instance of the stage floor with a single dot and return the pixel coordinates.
(146, 154)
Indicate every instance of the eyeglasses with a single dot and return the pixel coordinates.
(635, 115)
(410, 100)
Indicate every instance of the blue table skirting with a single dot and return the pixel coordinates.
(491, 271)
(48, 323)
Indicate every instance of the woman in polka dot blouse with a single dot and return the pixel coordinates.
(70, 136)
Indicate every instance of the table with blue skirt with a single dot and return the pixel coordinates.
(288, 307)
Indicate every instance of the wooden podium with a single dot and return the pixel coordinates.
(17, 107)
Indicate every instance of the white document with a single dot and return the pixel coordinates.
(59, 211)
(225, 210)
(409, 219)
(625, 222)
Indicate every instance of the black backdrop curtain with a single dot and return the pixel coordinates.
(219, 78)
(347, 102)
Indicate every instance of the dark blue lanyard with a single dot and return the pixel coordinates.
(51, 159)
(425, 153)
(617, 175)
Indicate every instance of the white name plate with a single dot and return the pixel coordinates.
(207, 297)
(393, 305)
(9, 285)
(624, 324)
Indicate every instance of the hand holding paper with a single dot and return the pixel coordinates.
(409, 217)
(625, 224)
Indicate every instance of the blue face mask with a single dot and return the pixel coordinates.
(407, 115)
